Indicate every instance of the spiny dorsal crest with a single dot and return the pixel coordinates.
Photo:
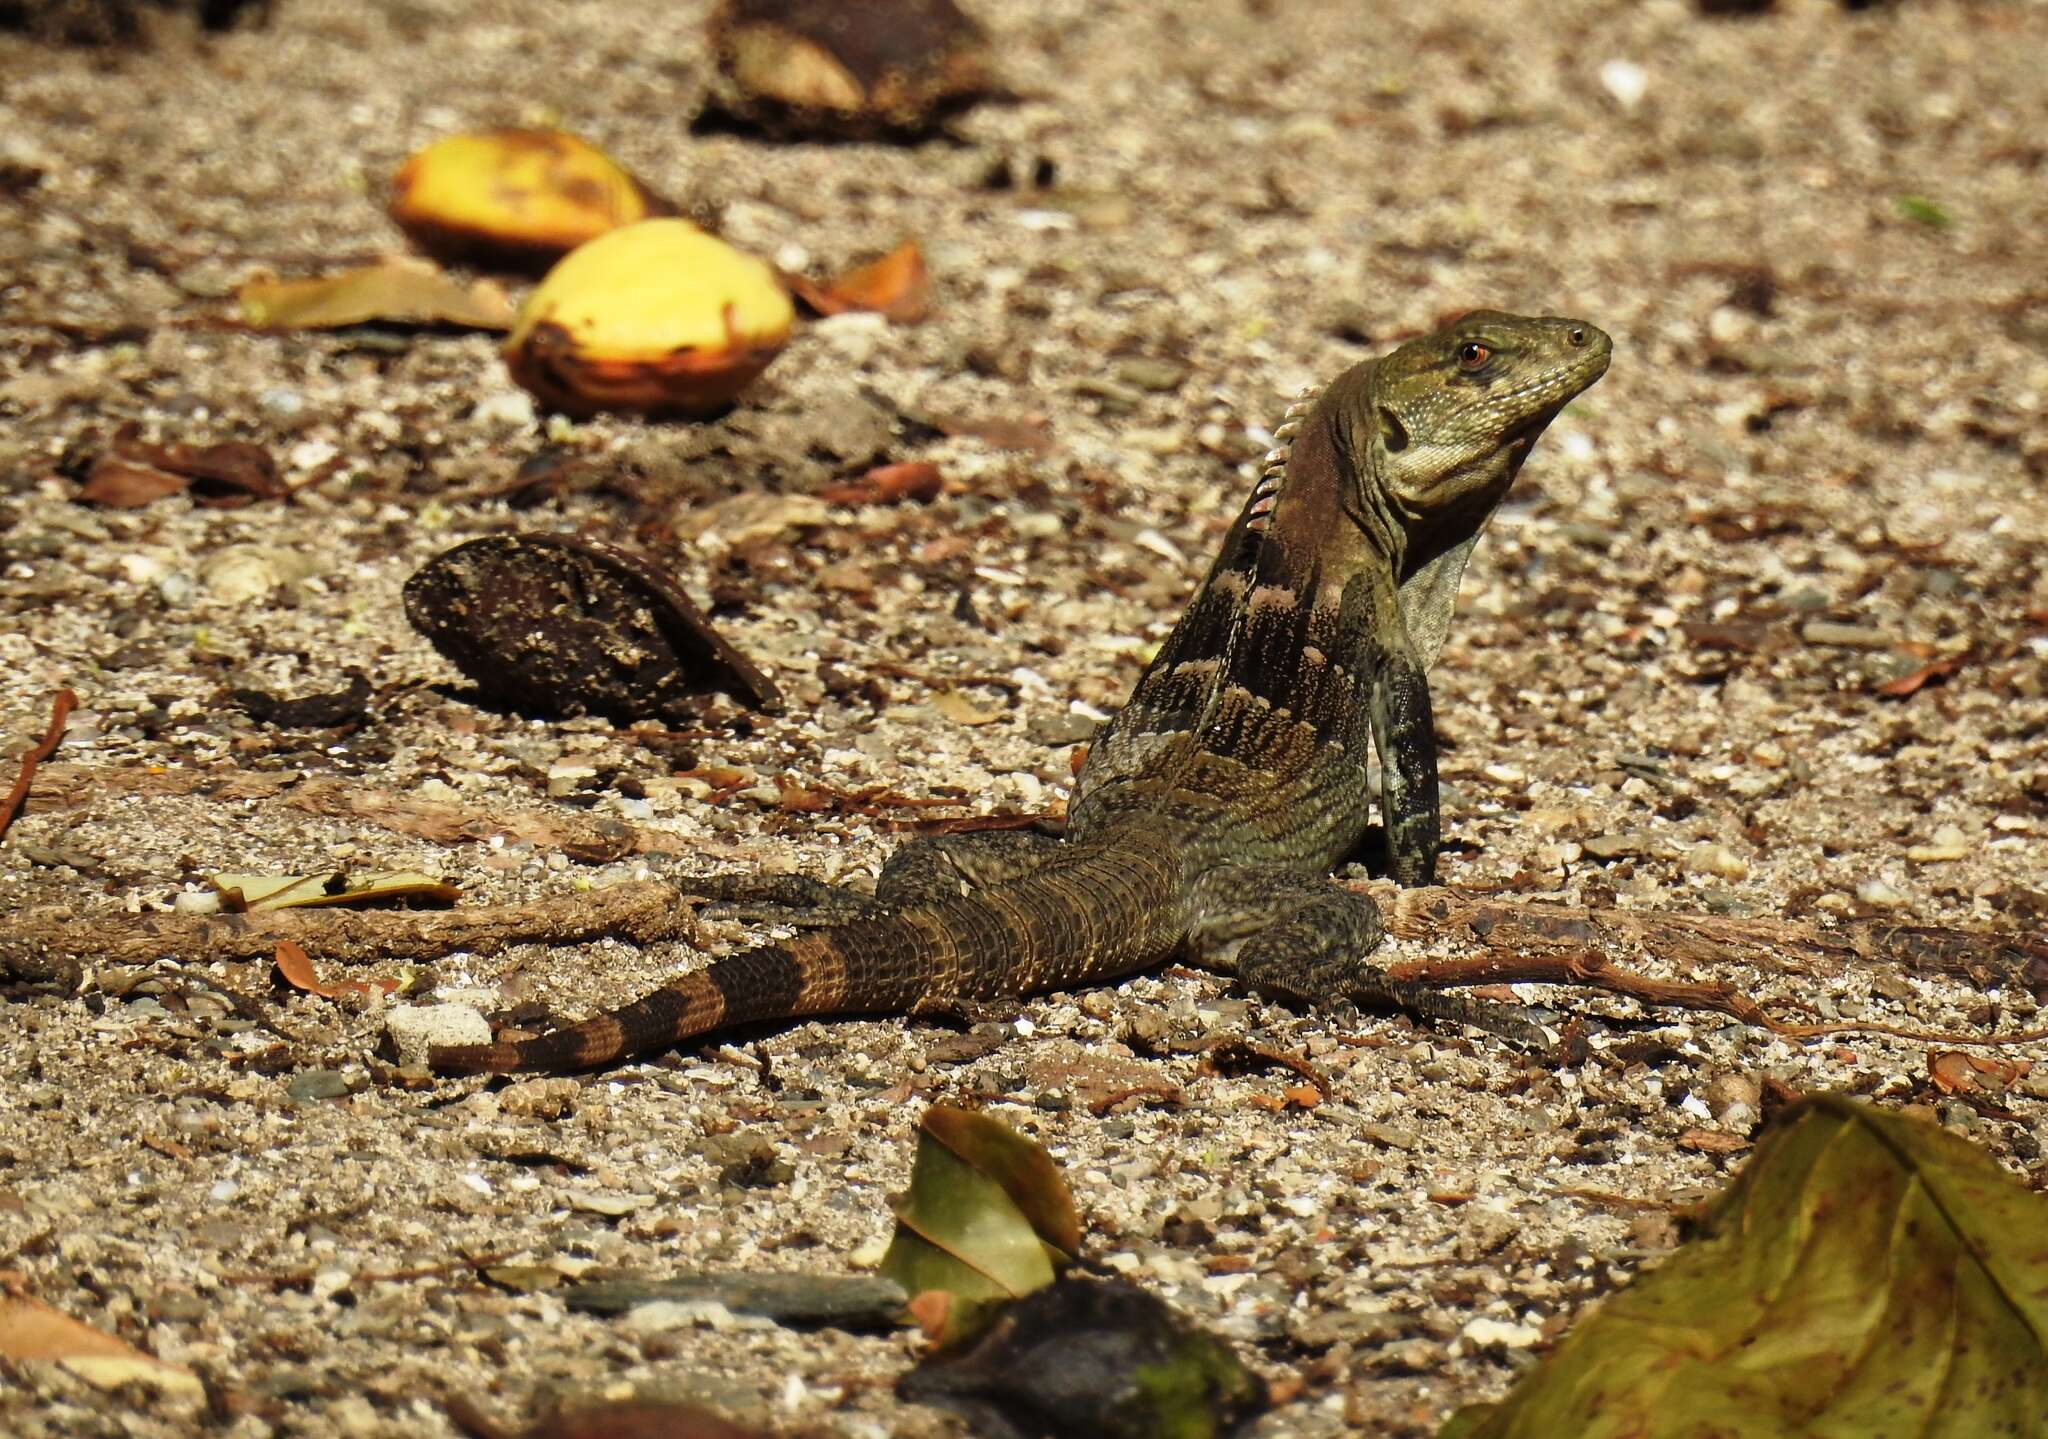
(1273, 469)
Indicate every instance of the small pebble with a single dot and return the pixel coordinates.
(1948, 842)
(1159, 376)
(1626, 81)
(281, 404)
(415, 1029)
(1717, 860)
(313, 1085)
(1847, 637)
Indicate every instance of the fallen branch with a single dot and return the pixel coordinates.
(53, 945)
(1556, 944)
(60, 711)
(1703, 941)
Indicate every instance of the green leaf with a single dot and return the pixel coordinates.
(1866, 1275)
(987, 1217)
(1923, 211)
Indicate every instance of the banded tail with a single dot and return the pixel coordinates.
(1089, 914)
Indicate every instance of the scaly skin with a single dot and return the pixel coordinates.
(1213, 807)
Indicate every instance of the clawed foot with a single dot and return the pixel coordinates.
(1515, 1023)
(965, 1013)
(791, 899)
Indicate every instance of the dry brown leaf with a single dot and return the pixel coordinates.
(1955, 1072)
(1912, 683)
(1030, 433)
(896, 286)
(31, 1332)
(133, 472)
(295, 967)
(886, 484)
(393, 292)
(620, 1419)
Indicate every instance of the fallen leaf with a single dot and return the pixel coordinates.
(551, 624)
(886, 484)
(987, 1218)
(1955, 1072)
(1866, 1274)
(1912, 683)
(32, 1332)
(125, 485)
(295, 968)
(897, 286)
(133, 472)
(250, 892)
(393, 292)
(620, 1419)
(1031, 433)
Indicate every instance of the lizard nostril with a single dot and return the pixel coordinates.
(1576, 335)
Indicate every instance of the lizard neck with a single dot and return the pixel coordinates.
(1331, 520)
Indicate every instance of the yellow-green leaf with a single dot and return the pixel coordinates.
(292, 891)
(987, 1217)
(395, 292)
(1866, 1274)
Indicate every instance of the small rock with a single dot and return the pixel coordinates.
(1947, 843)
(1053, 728)
(1725, 1094)
(1159, 376)
(415, 1029)
(1626, 81)
(313, 1085)
(1717, 860)
(281, 404)
(1392, 1136)
(509, 409)
(540, 1098)
(1846, 637)
(1876, 892)
(241, 574)
(1626, 845)
(1482, 1332)
(611, 1206)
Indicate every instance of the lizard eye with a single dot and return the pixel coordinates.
(1472, 354)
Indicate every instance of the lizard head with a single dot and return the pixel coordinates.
(1449, 418)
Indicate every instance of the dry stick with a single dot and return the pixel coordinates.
(51, 945)
(1560, 935)
(60, 711)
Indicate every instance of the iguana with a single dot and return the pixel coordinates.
(1211, 809)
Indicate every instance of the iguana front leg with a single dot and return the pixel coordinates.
(1404, 733)
(1305, 941)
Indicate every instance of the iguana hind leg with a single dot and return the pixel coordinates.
(945, 866)
(922, 871)
(1305, 941)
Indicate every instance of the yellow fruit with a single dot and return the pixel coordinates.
(657, 317)
(523, 197)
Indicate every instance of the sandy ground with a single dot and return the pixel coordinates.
(1815, 467)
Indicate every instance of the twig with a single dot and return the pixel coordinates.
(1554, 944)
(60, 711)
(52, 944)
